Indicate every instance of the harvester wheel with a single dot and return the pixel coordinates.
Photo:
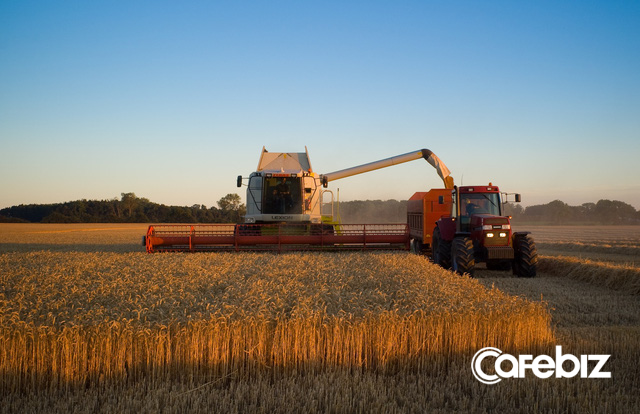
(462, 258)
(526, 256)
(441, 250)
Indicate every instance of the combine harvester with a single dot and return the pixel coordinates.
(285, 205)
(457, 226)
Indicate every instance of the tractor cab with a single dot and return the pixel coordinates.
(475, 201)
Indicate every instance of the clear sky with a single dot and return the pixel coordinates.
(172, 100)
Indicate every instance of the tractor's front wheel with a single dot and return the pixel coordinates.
(525, 259)
(462, 258)
(441, 250)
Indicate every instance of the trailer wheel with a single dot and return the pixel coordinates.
(526, 256)
(441, 250)
(416, 246)
(462, 258)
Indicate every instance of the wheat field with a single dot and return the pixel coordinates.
(91, 323)
(79, 318)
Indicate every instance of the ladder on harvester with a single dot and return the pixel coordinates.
(331, 219)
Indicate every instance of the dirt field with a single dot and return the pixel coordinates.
(588, 281)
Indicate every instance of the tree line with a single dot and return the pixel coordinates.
(553, 213)
(127, 209)
(558, 212)
(230, 209)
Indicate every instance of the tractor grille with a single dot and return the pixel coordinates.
(505, 252)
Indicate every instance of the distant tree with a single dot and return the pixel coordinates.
(614, 212)
(555, 212)
(229, 202)
(116, 207)
(180, 215)
(57, 217)
(129, 202)
(232, 208)
(5, 219)
(514, 210)
(588, 208)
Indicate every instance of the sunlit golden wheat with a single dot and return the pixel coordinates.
(84, 317)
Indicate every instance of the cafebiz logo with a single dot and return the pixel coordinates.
(543, 366)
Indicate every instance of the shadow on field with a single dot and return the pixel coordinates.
(442, 384)
(203, 372)
(57, 247)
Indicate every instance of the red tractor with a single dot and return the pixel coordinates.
(463, 226)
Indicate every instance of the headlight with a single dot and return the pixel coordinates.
(489, 234)
(506, 227)
(486, 227)
(503, 234)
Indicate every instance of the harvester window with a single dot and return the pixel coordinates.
(283, 195)
(254, 193)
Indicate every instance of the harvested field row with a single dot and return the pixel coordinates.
(624, 278)
(85, 318)
(590, 234)
(628, 249)
(89, 237)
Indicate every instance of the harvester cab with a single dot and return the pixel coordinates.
(283, 188)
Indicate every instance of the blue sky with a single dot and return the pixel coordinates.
(173, 100)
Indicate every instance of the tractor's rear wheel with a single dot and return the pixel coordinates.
(462, 258)
(441, 250)
(525, 259)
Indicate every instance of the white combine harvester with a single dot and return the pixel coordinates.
(285, 205)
